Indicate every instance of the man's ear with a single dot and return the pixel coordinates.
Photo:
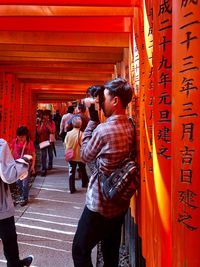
(115, 101)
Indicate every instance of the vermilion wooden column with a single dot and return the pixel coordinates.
(29, 111)
(17, 105)
(186, 137)
(1, 102)
(9, 113)
(148, 101)
(139, 204)
(162, 64)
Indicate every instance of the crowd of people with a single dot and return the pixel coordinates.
(99, 146)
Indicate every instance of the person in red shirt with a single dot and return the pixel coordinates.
(44, 129)
(20, 146)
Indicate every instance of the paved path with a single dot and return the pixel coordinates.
(47, 225)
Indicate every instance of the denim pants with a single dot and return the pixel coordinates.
(9, 240)
(72, 171)
(44, 152)
(92, 228)
(24, 187)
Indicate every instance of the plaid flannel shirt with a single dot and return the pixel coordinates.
(109, 143)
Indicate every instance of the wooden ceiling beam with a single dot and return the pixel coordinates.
(70, 2)
(63, 38)
(67, 11)
(22, 59)
(61, 71)
(57, 65)
(66, 24)
(59, 48)
(67, 76)
(69, 85)
(61, 81)
(64, 56)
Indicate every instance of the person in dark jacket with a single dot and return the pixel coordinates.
(10, 172)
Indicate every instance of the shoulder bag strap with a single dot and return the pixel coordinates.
(22, 153)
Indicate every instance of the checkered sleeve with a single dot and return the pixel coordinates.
(92, 142)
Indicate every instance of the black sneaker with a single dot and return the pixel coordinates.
(27, 261)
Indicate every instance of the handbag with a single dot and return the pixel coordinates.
(44, 144)
(121, 185)
(69, 154)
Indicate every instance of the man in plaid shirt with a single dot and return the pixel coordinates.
(108, 143)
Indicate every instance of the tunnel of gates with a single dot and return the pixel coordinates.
(162, 62)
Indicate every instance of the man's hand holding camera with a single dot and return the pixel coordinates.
(95, 101)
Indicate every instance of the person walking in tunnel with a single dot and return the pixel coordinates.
(64, 122)
(20, 146)
(10, 172)
(73, 140)
(45, 128)
(109, 143)
(57, 119)
(80, 111)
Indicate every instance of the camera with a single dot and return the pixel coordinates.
(88, 101)
(96, 92)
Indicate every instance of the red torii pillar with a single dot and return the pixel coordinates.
(186, 134)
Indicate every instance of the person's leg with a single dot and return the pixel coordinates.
(72, 171)
(63, 134)
(44, 159)
(9, 240)
(26, 187)
(19, 184)
(25, 190)
(50, 153)
(84, 175)
(89, 232)
(111, 242)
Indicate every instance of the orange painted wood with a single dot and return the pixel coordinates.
(162, 63)
(67, 11)
(66, 38)
(148, 124)
(139, 204)
(9, 112)
(67, 24)
(1, 101)
(186, 126)
(71, 2)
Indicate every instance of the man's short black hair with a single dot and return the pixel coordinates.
(70, 109)
(95, 89)
(81, 107)
(121, 88)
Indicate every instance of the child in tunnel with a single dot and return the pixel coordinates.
(20, 146)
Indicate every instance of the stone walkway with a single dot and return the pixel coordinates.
(46, 226)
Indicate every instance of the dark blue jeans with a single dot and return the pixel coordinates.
(44, 152)
(9, 240)
(72, 171)
(24, 187)
(92, 228)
